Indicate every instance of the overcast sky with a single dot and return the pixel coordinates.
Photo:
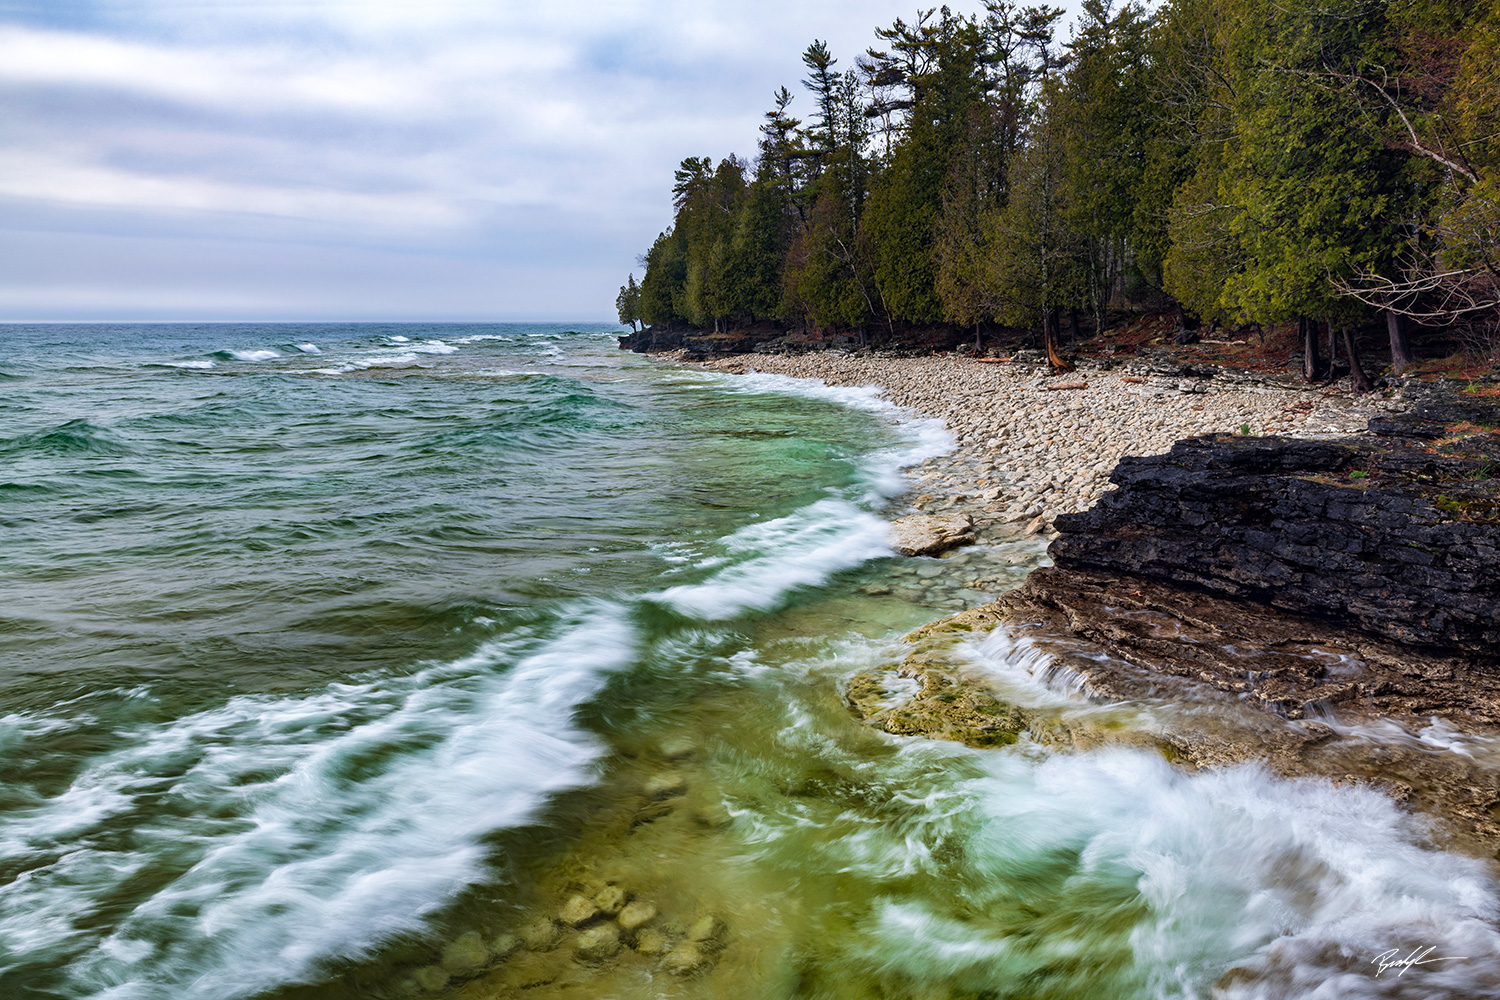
(370, 159)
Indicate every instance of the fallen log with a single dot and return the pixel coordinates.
(1132, 379)
(1065, 385)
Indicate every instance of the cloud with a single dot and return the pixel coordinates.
(339, 124)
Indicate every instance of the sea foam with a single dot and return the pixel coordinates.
(305, 829)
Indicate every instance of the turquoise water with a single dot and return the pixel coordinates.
(329, 649)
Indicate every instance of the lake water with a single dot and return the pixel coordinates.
(339, 660)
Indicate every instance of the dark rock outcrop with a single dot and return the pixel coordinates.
(1396, 537)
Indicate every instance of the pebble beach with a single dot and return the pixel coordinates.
(1031, 446)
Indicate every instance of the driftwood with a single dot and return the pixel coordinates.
(991, 361)
(1132, 379)
(1065, 385)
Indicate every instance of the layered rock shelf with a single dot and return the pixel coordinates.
(1396, 536)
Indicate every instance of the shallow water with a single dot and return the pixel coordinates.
(336, 653)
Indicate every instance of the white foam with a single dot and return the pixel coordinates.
(403, 360)
(925, 437)
(309, 348)
(770, 559)
(265, 355)
(310, 828)
(1301, 885)
(196, 365)
(399, 340)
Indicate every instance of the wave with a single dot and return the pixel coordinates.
(773, 559)
(190, 365)
(926, 437)
(308, 348)
(409, 355)
(281, 833)
(1233, 882)
(265, 354)
(76, 437)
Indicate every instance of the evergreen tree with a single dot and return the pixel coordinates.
(628, 303)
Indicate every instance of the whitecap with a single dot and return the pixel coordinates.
(320, 826)
(771, 559)
(265, 355)
(308, 348)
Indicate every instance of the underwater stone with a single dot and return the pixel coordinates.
(502, 946)
(597, 943)
(650, 942)
(578, 910)
(540, 934)
(431, 978)
(466, 954)
(706, 930)
(636, 915)
(685, 959)
(677, 748)
(666, 786)
(611, 900)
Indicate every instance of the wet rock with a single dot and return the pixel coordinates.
(931, 534)
(611, 900)
(636, 915)
(685, 959)
(466, 954)
(707, 931)
(597, 943)
(666, 786)
(540, 935)
(578, 911)
(502, 946)
(431, 978)
(1388, 536)
(714, 815)
(679, 747)
(651, 942)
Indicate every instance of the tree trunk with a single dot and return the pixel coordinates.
(1049, 337)
(1312, 362)
(1356, 372)
(1333, 349)
(978, 341)
(1395, 325)
(1073, 325)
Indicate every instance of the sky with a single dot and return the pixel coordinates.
(484, 160)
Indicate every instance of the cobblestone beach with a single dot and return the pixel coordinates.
(1031, 446)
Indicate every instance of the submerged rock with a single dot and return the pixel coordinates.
(666, 786)
(611, 900)
(636, 915)
(931, 534)
(651, 942)
(685, 959)
(465, 955)
(597, 943)
(578, 911)
(540, 935)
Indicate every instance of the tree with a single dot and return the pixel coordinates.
(628, 303)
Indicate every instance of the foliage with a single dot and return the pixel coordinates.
(1256, 160)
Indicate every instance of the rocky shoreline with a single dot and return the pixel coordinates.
(1313, 580)
(1031, 446)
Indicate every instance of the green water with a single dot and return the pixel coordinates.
(341, 661)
